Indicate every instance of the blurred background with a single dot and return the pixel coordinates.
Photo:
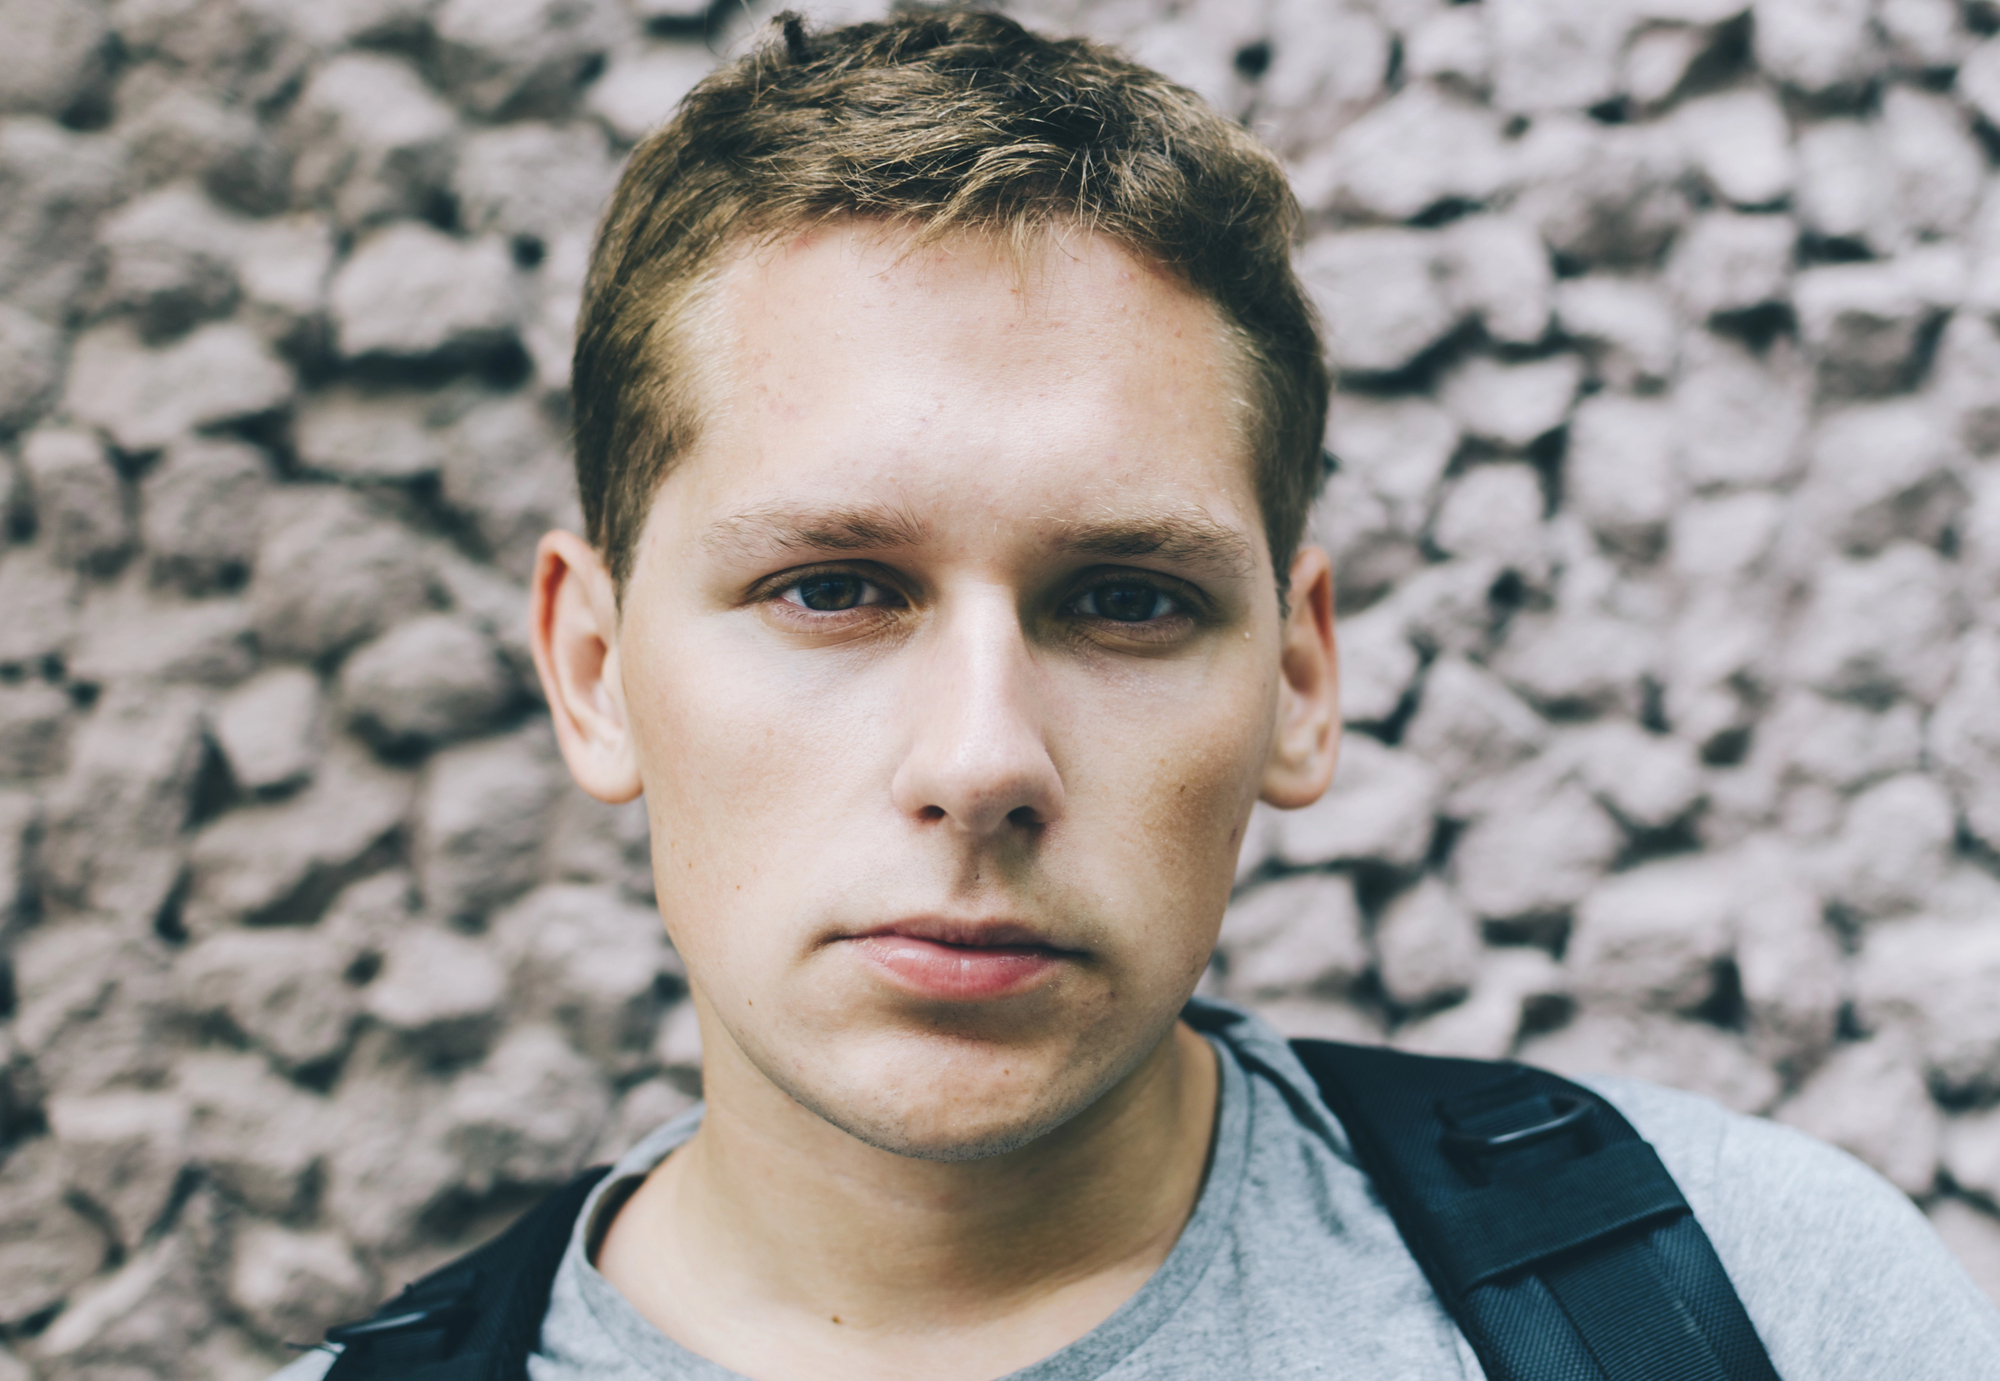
(1667, 529)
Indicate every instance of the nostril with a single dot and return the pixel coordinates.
(1023, 816)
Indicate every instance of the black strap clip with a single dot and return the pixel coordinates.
(423, 1323)
(1486, 1129)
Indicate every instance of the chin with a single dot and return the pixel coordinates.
(960, 1110)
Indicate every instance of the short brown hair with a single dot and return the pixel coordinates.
(948, 121)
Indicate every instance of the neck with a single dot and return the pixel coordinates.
(771, 1224)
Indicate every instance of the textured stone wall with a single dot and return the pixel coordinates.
(1668, 539)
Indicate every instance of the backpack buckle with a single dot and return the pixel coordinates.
(1489, 1129)
(424, 1323)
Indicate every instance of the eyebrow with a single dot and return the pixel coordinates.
(1188, 536)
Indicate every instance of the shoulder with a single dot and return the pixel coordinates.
(1840, 1272)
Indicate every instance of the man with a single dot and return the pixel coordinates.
(948, 414)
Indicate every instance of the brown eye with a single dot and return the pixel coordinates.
(830, 592)
(1129, 601)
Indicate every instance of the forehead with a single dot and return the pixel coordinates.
(1063, 371)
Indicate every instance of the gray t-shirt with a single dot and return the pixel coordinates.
(1290, 1268)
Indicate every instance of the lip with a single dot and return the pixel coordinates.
(959, 961)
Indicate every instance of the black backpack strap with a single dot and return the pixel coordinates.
(473, 1319)
(1549, 1229)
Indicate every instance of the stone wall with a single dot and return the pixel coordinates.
(1667, 530)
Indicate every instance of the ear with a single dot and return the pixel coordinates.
(573, 619)
(1307, 742)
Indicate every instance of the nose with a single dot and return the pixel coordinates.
(977, 754)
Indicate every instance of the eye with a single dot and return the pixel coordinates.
(829, 592)
(1127, 601)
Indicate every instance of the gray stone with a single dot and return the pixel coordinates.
(1937, 170)
(1741, 414)
(1934, 980)
(1925, 34)
(1974, 1238)
(124, 1151)
(1726, 263)
(509, 470)
(53, 186)
(639, 90)
(1377, 666)
(1372, 552)
(408, 290)
(30, 367)
(1965, 381)
(20, 816)
(1427, 946)
(1897, 840)
(280, 862)
(1625, 325)
(198, 514)
(1577, 662)
(47, 1248)
(1500, 274)
(1879, 473)
(35, 723)
(79, 503)
(293, 1285)
(533, 180)
(1972, 1153)
(443, 994)
(251, 52)
(1815, 45)
(136, 632)
(512, 58)
(1979, 535)
(591, 964)
(1720, 542)
(1653, 935)
(177, 133)
(1979, 81)
(594, 842)
(1879, 627)
(331, 572)
(356, 435)
(1383, 294)
(1869, 1100)
(1741, 143)
(1298, 934)
(1601, 195)
(259, 1137)
(113, 841)
(145, 399)
(169, 261)
(1449, 46)
(1863, 324)
(425, 682)
(1511, 405)
(1398, 447)
(1846, 746)
(1420, 148)
(1468, 725)
(1332, 65)
(530, 1113)
(1512, 984)
(283, 271)
(481, 818)
(95, 1006)
(1964, 735)
(1661, 1049)
(1494, 513)
(1788, 963)
(286, 990)
(389, 1167)
(1382, 806)
(1649, 781)
(55, 57)
(1619, 472)
(1536, 859)
(144, 1318)
(373, 141)
(1555, 54)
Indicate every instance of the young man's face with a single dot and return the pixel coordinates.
(951, 665)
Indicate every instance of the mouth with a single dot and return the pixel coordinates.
(959, 961)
